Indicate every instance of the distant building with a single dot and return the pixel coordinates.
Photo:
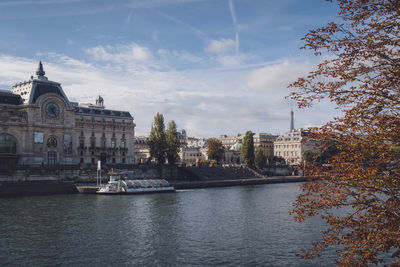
(290, 146)
(232, 149)
(191, 148)
(40, 126)
(228, 140)
(191, 154)
(233, 146)
(142, 150)
(265, 142)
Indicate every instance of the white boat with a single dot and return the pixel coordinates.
(118, 186)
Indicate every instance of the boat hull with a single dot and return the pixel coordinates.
(138, 191)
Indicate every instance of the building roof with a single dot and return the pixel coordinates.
(294, 135)
(31, 90)
(236, 147)
(7, 97)
(102, 112)
(45, 88)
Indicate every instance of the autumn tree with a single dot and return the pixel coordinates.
(310, 156)
(172, 143)
(260, 159)
(157, 139)
(360, 73)
(215, 149)
(248, 149)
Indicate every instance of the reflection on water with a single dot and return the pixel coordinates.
(230, 226)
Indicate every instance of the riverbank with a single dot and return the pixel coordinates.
(40, 187)
(179, 177)
(236, 182)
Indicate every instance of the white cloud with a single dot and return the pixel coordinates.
(220, 46)
(206, 102)
(278, 76)
(120, 53)
(229, 61)
(179, 55)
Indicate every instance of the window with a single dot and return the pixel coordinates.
(51, 157)
(52, 142)
(92, 142)
(8, 144)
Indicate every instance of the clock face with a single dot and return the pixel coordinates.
(52, 110)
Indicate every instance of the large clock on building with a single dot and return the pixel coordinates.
(52, 110)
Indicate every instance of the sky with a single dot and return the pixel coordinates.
(213, 66)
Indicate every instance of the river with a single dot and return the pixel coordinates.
(235, 226)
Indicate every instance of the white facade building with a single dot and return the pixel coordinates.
(291, 146)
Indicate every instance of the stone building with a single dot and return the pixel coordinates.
(40, 126)
(142, 150)
(191, 154)
(265, 142)
(228, 140)
(290, 146)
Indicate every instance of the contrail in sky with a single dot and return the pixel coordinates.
(232, 10)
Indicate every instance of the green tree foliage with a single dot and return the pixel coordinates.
(215, 149)
(157, 139)
(172, 143)
(248, 149)
(260, 159)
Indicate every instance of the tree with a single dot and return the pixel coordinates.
(361, 75)
(310, 156)
(248, 149)
(157, 139)
(172, 143)
(215, 149)
(260, 159)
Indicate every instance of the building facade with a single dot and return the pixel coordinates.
(191, 154)
(291, 145)
(142, 150)
(265, 142)
(40, 126)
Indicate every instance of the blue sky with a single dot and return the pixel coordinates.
(214, 66)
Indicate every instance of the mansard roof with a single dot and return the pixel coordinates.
(7, 97)
(102, 112)
(37, 86)
(45, 88)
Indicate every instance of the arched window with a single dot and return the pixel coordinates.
(52, 142)
(8, 144)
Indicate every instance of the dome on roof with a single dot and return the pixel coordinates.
(236, 147)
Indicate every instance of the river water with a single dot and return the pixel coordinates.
(235, 226)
